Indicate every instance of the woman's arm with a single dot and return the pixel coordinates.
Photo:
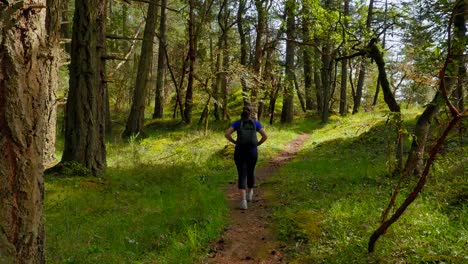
(264, 136)
(228, 135)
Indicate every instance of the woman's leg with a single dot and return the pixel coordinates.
(239, 159)
(241, 166)
(251, 162)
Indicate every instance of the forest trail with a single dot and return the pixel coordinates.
(249, 238)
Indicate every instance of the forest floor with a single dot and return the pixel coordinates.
(249, 238)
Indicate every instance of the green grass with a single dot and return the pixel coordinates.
(160, 201)
(329, 200)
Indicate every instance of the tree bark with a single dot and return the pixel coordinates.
(24, 76)
(135, 121)
(377, 87)
(243, 48)
(258, 54)
(325, 74)
(53, 26)
(460, 36)
(317, 78)
(159, 100)
(196, 21)
(192, 55)
(362, 71)
(223, 16)
(344, 64)
(307, 57)
(288, 95)
(85, 108)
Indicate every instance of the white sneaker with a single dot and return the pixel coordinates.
(243, 205)
(250, 195)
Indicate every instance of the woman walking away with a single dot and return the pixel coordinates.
(246, 152)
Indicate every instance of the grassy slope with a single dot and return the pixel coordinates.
(161, 200)
(335, 191)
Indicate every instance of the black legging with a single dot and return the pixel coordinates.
(245, 162)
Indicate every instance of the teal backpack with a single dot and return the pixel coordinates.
(247, 134)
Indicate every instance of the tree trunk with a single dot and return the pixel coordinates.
(223, 16)
(288, 96)
(460, 36)
(25, 71)
(135, 121)
(377, 87)
(344, 64)
(84, 118)
(243, 48)
(102, 52)
(159, 100)
(53, 26)
(325, 75)
(362, 71)
(258, 54)
(224, 85)
(307, 57)
(317, 79)
(299, 95)
(192, 55)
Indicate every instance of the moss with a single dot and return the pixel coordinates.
(67, 169)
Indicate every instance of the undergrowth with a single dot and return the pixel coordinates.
(329, 200)
(160, 201)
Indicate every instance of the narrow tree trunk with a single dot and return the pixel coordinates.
(218, 89)
(299, 95)
(159, 100)
(224, 85)
(307, 57)
(288, 96)
(362, 71)
(102, 52)
(192, 55)
(243, 48)
(135, 121)
(344, 64)
(317, 78)
(258, 54)
(326, 81)
(377, 87)
(460, 35)
(276, 86)
(24, 77)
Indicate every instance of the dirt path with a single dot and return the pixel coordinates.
(249, 238)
